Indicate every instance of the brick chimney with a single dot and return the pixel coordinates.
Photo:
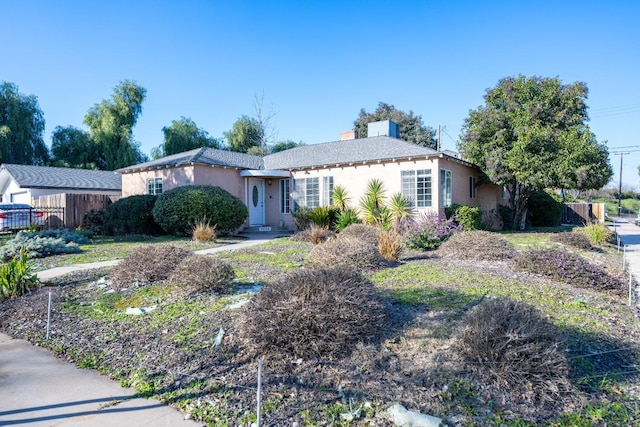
(348, 134)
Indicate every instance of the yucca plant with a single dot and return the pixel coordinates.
(372, 205)
(16, 277)
(399, 207)
(341, 198)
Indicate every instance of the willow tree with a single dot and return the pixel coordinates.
(532, 134)
(111, 125)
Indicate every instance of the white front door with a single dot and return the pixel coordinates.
(256, 201)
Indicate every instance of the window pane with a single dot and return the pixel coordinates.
(285, 196)
(312, 192)
(445, 188)
(299, 191)
(423, 188)
(327, 186)
(408, 186)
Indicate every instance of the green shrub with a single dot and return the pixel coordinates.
(324, 216)
(545, 209)
(478, 245)
(468, 217)
(178, 209)
(598, 233)
(302, 217)
(16, 277)
(202, 273)
(131, 215)
(573, 239)
(512, 348)
(567, 267)
(313, 313)
(346, 218)
(148, 264)
(42, 244)
(93, 221)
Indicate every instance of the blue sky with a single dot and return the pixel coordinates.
(319, 63)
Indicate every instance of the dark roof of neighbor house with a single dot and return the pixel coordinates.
(44, 177)
(377, 148)
(207, 156)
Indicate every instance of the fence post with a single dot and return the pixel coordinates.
(630, 288)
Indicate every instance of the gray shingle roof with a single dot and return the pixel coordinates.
(207, 156)
(28, 176)
(329, 153)
(349, 151)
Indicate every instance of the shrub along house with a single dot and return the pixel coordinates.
(273, 185)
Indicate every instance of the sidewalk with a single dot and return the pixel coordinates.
(629, 234)
(37, 389)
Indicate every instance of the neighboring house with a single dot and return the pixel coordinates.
(26, 183)
(273, 185)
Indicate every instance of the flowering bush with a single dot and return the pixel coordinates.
(428, 231)
(567, 267)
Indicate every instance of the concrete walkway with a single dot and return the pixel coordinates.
(252, 240)
(38, 389)
(629, 234)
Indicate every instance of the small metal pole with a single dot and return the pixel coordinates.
(624, 257)
(48, 315)
(259, 390)
(630, 288)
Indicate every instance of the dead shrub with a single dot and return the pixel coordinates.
(313, 313)
(367, 233)
(478, 245)
(512, 347)
(147, 264)
(314, 234)
(204, 232)
(573, 239)
(202, 273)
(390, 245)
(349, 252)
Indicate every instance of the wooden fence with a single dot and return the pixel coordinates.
(583, 213)
(74, 206)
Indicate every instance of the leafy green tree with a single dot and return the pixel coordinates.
(183, 135)
(72, 148)
(531, 135)
(21, 128)
(111, 125)
(246, 133)
(284, 145)
(412, 129)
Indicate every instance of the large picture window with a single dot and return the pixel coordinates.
(154, 186)
(285, 196)
(416, 187)
(306, 192)
(446, 188)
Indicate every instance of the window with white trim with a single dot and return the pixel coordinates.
(327, 190)
(306, 192)
(154, 186)
(285, 196)
(416, 187)
(446, 188)
(472, 187)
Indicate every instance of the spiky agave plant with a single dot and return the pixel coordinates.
(341, 198)
(400, 207)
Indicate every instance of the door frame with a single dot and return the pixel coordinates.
(256, 213)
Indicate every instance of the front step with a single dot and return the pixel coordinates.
(266, 229)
